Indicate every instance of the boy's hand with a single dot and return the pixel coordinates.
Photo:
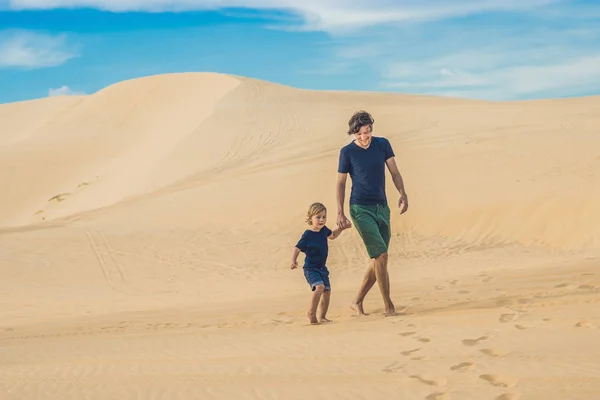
(294, 265)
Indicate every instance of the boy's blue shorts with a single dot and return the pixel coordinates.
(317, 276)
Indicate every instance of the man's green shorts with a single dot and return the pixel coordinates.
(373, 225)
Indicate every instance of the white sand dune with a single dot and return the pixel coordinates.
(146, 232)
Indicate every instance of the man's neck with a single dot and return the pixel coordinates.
(361, 146)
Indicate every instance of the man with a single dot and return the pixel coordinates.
(365, 159)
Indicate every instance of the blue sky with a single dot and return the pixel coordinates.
(487, 49)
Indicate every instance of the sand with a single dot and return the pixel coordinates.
(146, 234)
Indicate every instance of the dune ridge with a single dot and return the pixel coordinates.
(145, 232)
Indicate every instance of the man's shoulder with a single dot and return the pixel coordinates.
(380, 139)
(347, 147)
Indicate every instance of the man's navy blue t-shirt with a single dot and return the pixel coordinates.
(314, 245)
(367, 170)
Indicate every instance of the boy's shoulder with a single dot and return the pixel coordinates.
(310, 233)
(326, 230)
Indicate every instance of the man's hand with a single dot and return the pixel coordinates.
(343, 222)
(294, 265)
(403, 203)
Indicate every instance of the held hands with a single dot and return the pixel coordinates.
(343, 222)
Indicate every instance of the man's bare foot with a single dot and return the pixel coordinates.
(324, 319)
(312, 318)
(358, 308)
(390, 312)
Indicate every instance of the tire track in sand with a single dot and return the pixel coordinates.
(112, 272)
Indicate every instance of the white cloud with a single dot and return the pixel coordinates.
(33, 50)
(63, 91)
(489, 81)
(326, 15)
(493, 58)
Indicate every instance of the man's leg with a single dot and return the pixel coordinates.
(365, 222)
(381, 261)
(383, 279)
(366, 285)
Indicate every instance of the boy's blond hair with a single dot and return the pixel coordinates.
(313, 210)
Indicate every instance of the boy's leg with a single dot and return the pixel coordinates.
(325, 297)
(314, 303)
(324, 306)
(316, 283)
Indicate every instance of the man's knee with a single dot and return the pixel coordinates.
(383, 257)
(319, 288)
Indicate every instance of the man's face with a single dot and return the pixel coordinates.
(363, 136)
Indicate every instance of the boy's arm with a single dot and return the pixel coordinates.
(295, 254)
(338, 231)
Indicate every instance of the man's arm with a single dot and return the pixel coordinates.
(341, 194)
(398, 182)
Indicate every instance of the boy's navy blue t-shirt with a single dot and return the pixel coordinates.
(314, 245)
(367, 170)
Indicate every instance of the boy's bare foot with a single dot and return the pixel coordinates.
(312, 318)
(357, 307)
(324, 319)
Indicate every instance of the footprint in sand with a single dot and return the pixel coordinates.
(409, 352)
(506, 318)
(407, 333)
(463, 366)
(587, 287)
(492, 352)
(393, 367)
(59, 197)
(485, 278)
(508, 396)
(453, 282)
(424, 340)
(521, 327)
(473, 342)
(497, 380)
(583, 324)
(463, 292)
(439, 287)
(431, 381)
(436, 396)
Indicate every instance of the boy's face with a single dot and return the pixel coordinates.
(319, 220)
(363, 136)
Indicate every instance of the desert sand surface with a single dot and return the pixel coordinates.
(147, 229)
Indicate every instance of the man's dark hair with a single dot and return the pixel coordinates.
(359, 119)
